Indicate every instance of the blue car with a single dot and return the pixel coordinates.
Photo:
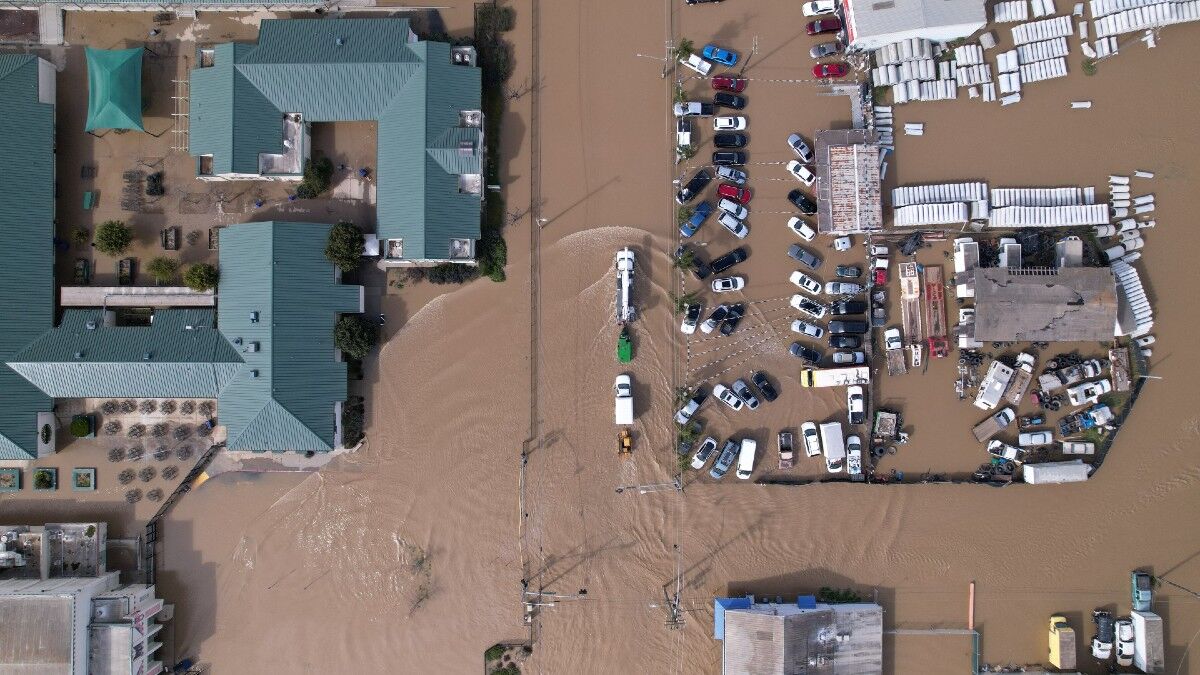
(721, 56)
(703, 210)
(729, 453)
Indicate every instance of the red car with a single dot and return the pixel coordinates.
(881, 276)
(728, 83)
(740, 195)
(822, 70)
(827, 25)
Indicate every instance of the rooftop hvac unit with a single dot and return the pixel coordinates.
(252, 347)
(91, 324)
(253, 317)
(253, 374)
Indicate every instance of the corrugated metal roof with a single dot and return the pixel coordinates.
(352, 70)
(180, 354)
(283, 397)
(883, 18)
(27, 257)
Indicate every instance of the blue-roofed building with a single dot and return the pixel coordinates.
(27, 94)
(251, 107)
(801, 637)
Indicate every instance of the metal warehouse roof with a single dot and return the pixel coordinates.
(279, 293)
(180, 354)
(874, 18)
(331, 70)
(1073, 304)
(27, 257)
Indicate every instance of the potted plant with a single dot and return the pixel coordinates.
(10, 480)
(45, 479)
(83, 479)
(82, 426)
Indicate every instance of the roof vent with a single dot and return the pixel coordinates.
(91, 324)
(252, 347)
(253, 317)
(146, 356)
(253, 374)
(237, 340)
(189, 327)
(341, 42)
(78, 355)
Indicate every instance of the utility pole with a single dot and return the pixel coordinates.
(1185, 590)
(753, 51)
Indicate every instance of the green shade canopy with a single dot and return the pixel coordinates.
(114, 89)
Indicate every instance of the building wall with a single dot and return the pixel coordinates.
(935, 33)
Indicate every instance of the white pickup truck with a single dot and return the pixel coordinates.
(1088, 392)
(623, 391)
(994, 424)
(697, 64)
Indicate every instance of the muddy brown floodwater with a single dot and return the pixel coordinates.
(408, 556)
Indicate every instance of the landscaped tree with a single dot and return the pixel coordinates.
(113, 237)
(80, 236)
(683, 49)
(355, 335)
(317, 175)
(201, 277)
(345, 246)
(163, 269)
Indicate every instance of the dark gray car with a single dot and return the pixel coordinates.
(804, 257)
(825, 49)
(848, 327)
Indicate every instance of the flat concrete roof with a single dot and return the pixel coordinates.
(1074, 304)
(134, 296)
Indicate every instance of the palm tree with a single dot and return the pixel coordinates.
(684, 260)
(682, 49)
(680, 94)
(683, 213)
(682, 301)
(685, 152)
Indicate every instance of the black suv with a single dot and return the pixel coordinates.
(694, 187)
(730, 140)
(728, 260)
(844, 307)
(727, 100)
(732, 320)
(764, 385)
(808, 354)
(848, 327)
(730, 158)
(845, 341)
(802, 202)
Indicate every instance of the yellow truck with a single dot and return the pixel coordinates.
(1062, 643)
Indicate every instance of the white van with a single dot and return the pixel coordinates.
(834, 446)
(746, 458)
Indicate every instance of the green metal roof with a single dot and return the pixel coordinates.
(180, 354)
(114, 89)
(352, 70)
(283, 397)
(27, 257)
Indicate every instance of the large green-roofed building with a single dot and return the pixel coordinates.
(27, 257)
(252, 104)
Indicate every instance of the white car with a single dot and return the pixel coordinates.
(805, 282)
(805, 328)
(819, 7)
(877, 249)
(812, 439)
(691, 317)
(849, 358)
(697, 64)
(734, 224)
(801, 173)
(704, 452)
(1031, 438)
(842, 244)
(734, 209)
(1088, 392)
(807, 306)
(891, 339)
(842, 288)
(854, 455)
(745, 463)
(728, 284)
(856, 405)
(798, 146)
(738, 123)
(725, 395)
(1125, 642)
(802, 229)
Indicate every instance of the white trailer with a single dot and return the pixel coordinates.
(834, 445)
(1148, 642)
(1050, 473)
(993, 386)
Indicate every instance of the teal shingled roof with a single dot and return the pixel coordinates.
(283, 397)
(180, 355)
(377, 72)
(27, 257)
